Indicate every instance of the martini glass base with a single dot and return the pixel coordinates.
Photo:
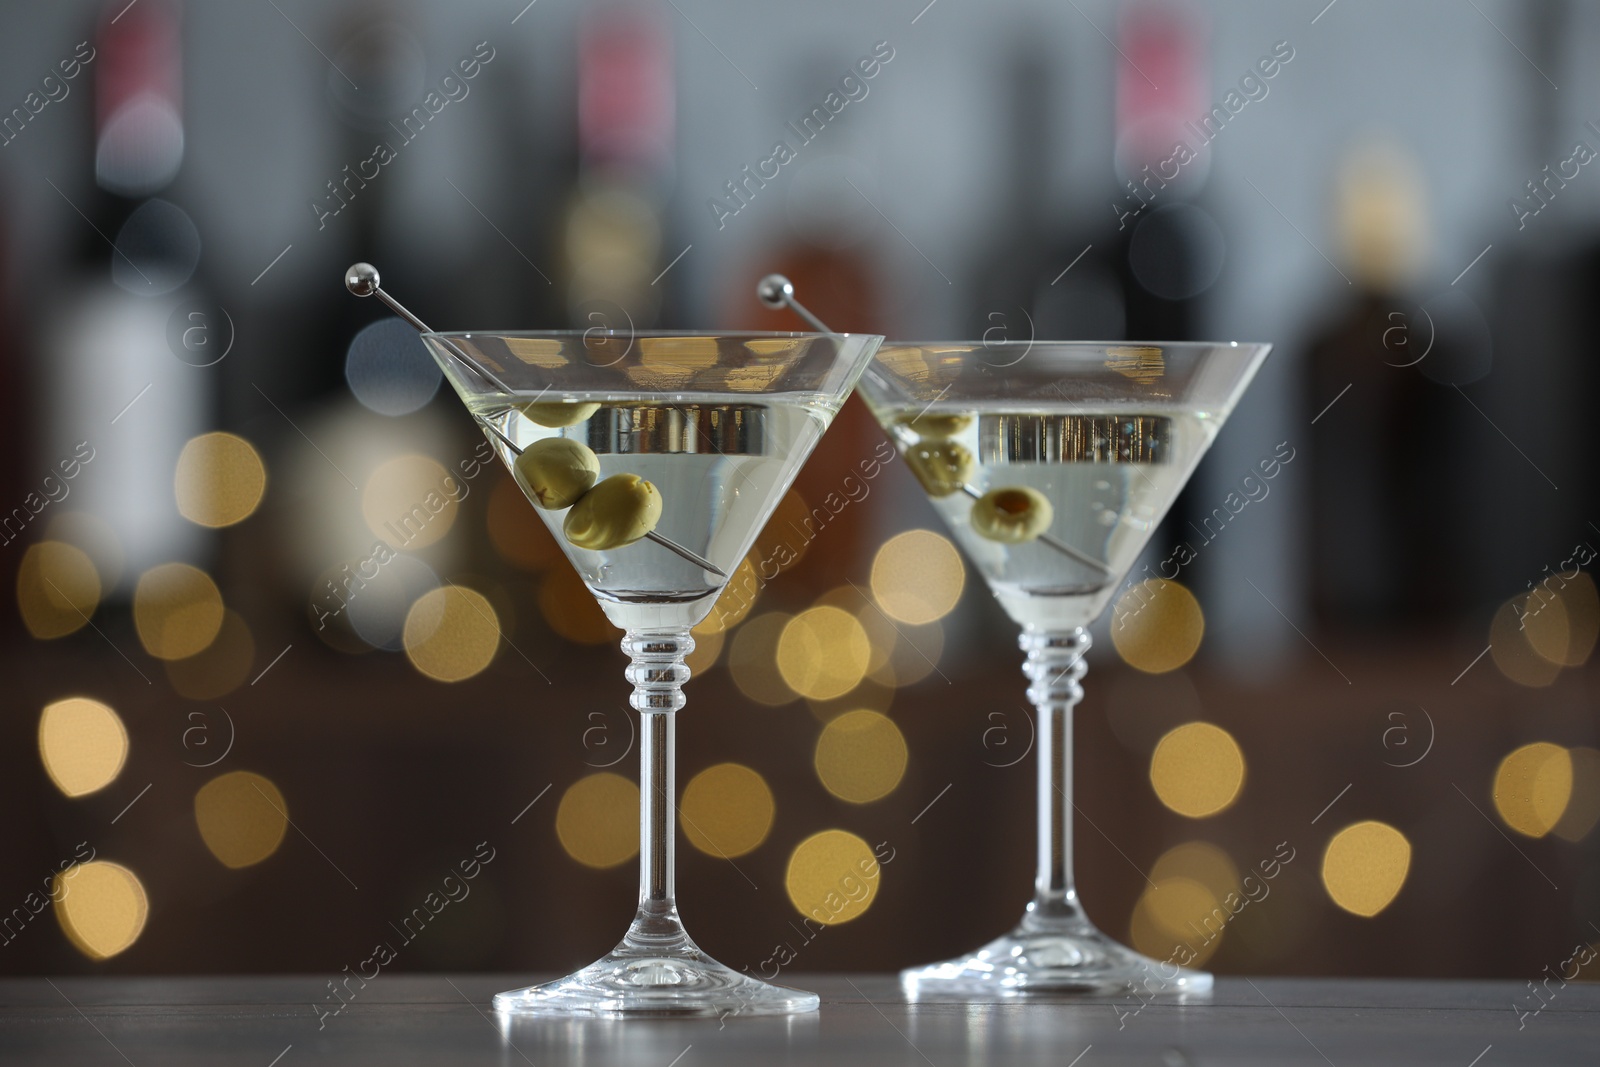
(1052, 955)
(643, 976)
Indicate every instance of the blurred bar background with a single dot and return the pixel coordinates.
(265, 751)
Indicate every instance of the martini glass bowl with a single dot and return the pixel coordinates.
(1053, 462)
(668, 452)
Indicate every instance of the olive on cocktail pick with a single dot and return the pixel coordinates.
(617, 512)
(362, 280)
(556, 471)
(1012, 514)
(937, 424)
(557, 414)
(943, 467)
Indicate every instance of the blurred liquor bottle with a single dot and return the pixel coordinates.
(1139, 270)
(17, 420)
(1538, 379)
(1138, 266)
(1012, 271)
(818, 231)
(122, 392)
(1169, 250)
(612, 230)
(360, 383)
(1379, 466)
(376, 49)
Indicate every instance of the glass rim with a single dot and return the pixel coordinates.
(1042, 341)
(562, 335)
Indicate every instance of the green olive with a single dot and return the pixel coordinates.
(556, 471)
(558, 413)
(617, 512)
(943, 467)
(1012, 514)
(934, 425)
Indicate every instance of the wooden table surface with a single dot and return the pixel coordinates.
(440, 1019)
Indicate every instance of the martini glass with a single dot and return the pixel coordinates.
(1053, 462)
(718, 425)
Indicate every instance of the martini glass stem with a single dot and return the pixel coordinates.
(1055, 667)
(658, 672)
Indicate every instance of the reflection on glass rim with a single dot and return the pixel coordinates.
(731, 335)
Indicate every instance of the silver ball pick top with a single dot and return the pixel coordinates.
(362, 279)
(777, 292)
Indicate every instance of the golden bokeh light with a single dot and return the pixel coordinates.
(101, 906)
(823, 653)
(1583, 808)
(734, 602)
(516, 531)
(1561, 624)
(752, 656)
(1157, 626)
(1532, 787)
(570, 609)
(1365, 867)
(220, 668)
(833, 877)
(451, 633)
(726, 810)
(242, 818)
(83, 745)
(407, 501)
(177, 611)
(1199, 861)
(1511, 650)
(598, 820)
(220, 480)
(917, 577)
(58, 588)
(1177, 919)
(861, 756)
(707, 648)
(1197, 769)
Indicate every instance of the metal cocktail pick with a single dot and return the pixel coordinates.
(362, 280)
(777, 292)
